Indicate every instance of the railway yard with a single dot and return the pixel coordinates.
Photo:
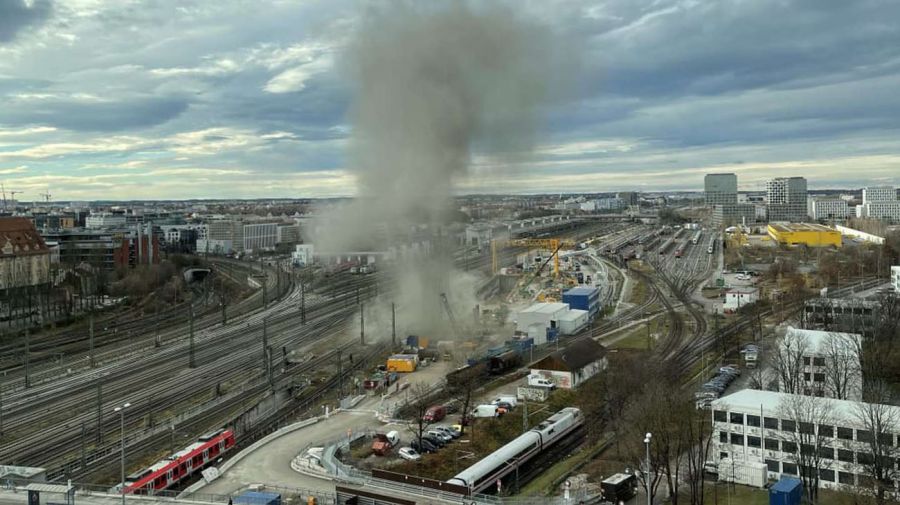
(293, 346)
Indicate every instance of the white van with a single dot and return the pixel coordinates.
(394, 438)
(537, 380)
(486, 411)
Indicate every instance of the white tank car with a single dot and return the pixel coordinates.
(506, 459)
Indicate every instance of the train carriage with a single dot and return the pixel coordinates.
(177, 467)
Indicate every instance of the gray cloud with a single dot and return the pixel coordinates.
(16, 15)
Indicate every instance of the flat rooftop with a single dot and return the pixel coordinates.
(797, 227)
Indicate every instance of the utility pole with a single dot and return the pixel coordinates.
(302, 302)
(93, 361)
(524, 415)
(265, 291)
(27, 343)
(191, 362)
(393, 324)
(362, 325)
(99, 412)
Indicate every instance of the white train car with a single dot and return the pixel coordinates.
(505, 460)
(712, 245)
(696, 238)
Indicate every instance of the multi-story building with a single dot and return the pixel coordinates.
(895, 278)
(260, 236)
(107, 249)
(734, 213)
(24, 256)
(879, 194)
(851, 315)
(820, 363)
(720, 189)
(886, 210)
(288, 234)
(786, 197)
(105, 220)
(830, 209)
(629, 197)
(753, 426)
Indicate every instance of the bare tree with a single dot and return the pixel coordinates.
(843, 377)
(806, 439)
(880, 422)
(462, 384)
(787, 362)
(417, 405)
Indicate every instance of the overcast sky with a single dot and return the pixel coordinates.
(117, 99)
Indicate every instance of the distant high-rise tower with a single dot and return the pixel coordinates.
(786, 198)
(720, 189)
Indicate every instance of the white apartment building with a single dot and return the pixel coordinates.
(753, 426)
(827, 208)
(879, 194)
(895, 278)
(828, 361)
(887, 210)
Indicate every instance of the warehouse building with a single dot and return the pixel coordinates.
(753, 426)
(810, 235)
(570, 367)
(583, 298)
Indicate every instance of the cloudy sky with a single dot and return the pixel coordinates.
(119, 99)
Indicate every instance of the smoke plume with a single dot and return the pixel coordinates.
(434, 82)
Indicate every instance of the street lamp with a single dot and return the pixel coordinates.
(646, 475)
(121, 411)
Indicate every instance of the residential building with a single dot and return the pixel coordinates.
(753, 426)
(24, 256)
(105, 220)
(570, 367)
(786, 197)
(739, 297)
(720, 189)
(895, 278)
(733, 214)
(820, 363)
(831, 209)
(879, 194)
(810, 235)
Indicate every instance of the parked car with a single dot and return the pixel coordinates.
(443, 437)
(510, 399)
(438, 442)
(503, 407)
(486, 411)
(434, 413)
(448, 430)
(409, 454)
(426, 446)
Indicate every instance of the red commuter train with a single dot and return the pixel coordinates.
(177, 467)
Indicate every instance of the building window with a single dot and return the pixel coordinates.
(788, 425)
(826, 475)
(772, 444)
(723, 437)
(886, 438)
(863, 435)
(819, 377)
(806, 360)
(737, 418)
(719, 415)
(845, 433)
(754, 441)
(826, 452)
(819, 361)
(773, 465)
(846, 478)
(753, 421)
(826, 430)
(789, 468)
(807, 376)
(865, 458)
(770, 423)
(737, 439)
(845, 456)
(807, 428)
(807, 449)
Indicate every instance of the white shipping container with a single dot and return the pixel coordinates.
(753, 474)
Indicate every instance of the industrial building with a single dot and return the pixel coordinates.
(544, 321)
(720, 189)
(810, 235)
(753, 426)
(570, 367)
(740, 297)
(583, 298)
(786, 198)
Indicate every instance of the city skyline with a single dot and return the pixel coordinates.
(104, 100)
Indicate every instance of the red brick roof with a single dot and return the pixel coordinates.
(19, 237)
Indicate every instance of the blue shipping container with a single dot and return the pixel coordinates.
(787, 491)
(258, 498)
(412, 341)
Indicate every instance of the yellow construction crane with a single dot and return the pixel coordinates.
(551, 244)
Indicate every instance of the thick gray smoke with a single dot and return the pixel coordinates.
(433, 84)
